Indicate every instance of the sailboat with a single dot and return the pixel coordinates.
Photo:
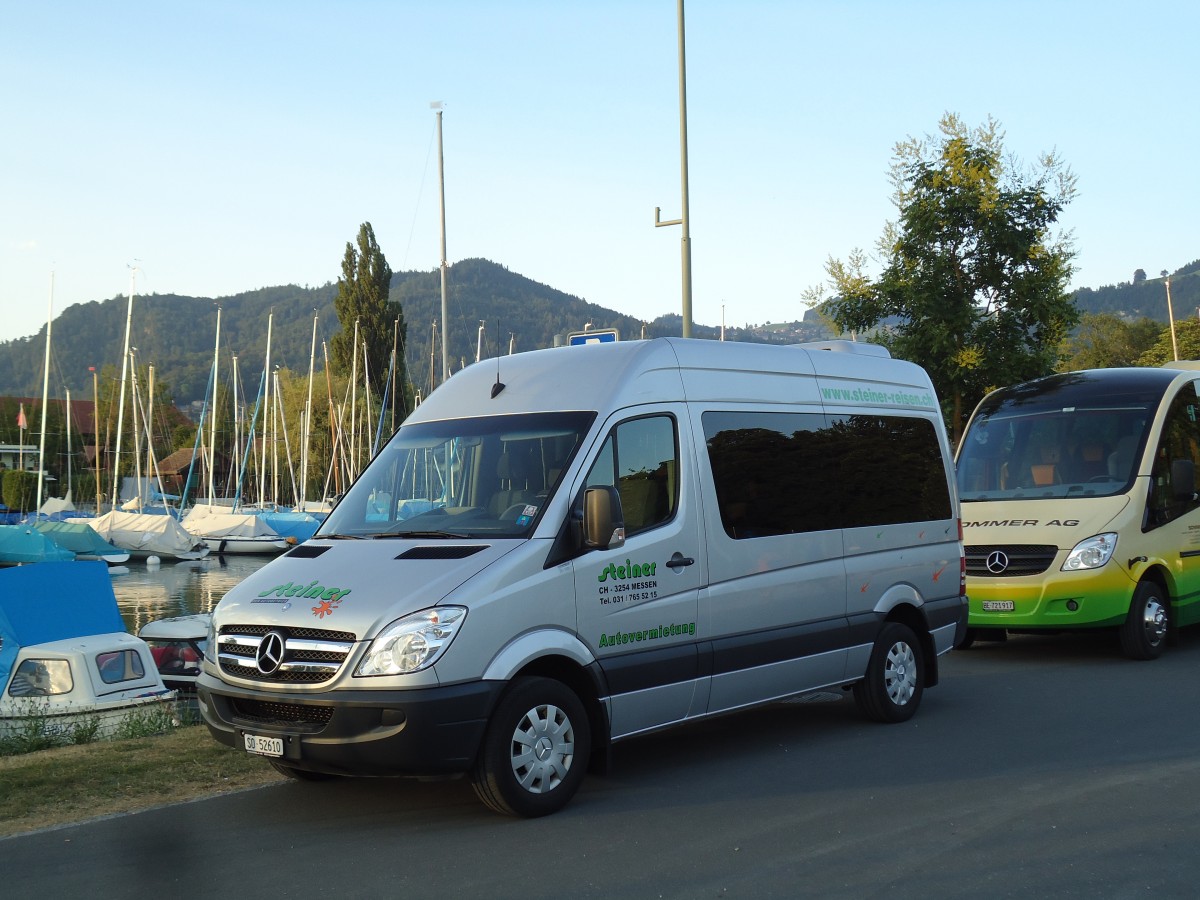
(223, 529)
(144, 535)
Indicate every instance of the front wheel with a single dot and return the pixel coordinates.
(1144, 633)
(536, 749)
(895, 679)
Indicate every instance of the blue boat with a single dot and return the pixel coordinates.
(21, 544)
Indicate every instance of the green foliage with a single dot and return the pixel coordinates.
(365, 313)
(147, 720)
(974, 282)
(1187, 336)
(1105, 341)
(20, 490)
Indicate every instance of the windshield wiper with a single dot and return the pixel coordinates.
(421, 534)
(340, 537)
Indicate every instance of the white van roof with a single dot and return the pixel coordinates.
(613, 375)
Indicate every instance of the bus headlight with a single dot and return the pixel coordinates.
(412, 643)
(1091, 553)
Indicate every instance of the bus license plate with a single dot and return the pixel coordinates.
(264, 746)
(998, 606)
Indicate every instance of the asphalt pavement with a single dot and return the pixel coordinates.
(1043, 766)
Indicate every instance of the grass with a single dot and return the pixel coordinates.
(68, 784)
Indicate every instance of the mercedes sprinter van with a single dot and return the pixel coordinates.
(565, 548)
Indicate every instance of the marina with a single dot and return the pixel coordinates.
(147, 592)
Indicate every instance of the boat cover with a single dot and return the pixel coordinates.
(144, 533)
(25, 544)
(217, 522)
(54, 601)
(79, 539)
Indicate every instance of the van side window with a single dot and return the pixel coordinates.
(786, 473)
(641, 458)
(1180, 440)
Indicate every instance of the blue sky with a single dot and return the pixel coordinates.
(226, 146)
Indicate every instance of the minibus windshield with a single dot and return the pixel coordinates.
(1017, 450)
(483, 477)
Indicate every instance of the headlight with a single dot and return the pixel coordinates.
(1091, 553)
(412, 643)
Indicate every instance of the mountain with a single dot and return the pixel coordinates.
(176, 333)
(1145, 297)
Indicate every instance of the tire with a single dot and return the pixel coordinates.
(1144, 634)
(895, 679)
(300, 774)
(536, 749)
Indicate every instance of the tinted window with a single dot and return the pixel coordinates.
(782, 473)
(41, 678)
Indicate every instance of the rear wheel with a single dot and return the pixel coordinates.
(1144, 634)
(895, 679)
(535, 753)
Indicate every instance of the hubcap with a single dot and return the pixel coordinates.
(542, 749)
(1154, 620)
(900, 674)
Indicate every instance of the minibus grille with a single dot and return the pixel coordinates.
(282, 655)
(1009, 560)
(280, 714)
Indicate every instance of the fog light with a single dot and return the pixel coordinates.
(1073, 605)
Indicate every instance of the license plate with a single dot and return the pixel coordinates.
(264, 746)
(990, 606)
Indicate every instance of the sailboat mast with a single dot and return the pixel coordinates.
(304, 449)
(96, 429)
(442, 192)
(266, 431)
(212, 428)
(45, 395)
(67, 417)
(116, 495)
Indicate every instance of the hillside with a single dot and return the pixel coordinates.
(176, 333)
(1146, 299)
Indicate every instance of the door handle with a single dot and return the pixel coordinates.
(678, 561)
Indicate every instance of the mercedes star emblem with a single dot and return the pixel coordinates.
(997, 563)
(270, 653)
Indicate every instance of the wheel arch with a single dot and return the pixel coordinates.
(909, 614)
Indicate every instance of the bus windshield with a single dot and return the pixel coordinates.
(1018, 450)
(484, 477)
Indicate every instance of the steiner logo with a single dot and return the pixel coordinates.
(330, 598)
(629, 570)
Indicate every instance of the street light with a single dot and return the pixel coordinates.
(684, 220)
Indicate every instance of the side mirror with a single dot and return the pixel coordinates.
(603, 522)
(1183, 478)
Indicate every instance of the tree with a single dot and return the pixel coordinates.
(1104, 341)
(1139, 275)
(974, 284)
(362, 297)
(1187, 335)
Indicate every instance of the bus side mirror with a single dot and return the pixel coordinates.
(603, 523)
(1183, 478)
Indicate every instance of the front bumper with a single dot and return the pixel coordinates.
(426, 731)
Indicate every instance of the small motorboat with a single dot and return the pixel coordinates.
(66, 661)
(178, 646)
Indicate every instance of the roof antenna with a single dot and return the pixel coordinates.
(499, 385)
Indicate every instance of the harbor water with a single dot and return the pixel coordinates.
(172, 588)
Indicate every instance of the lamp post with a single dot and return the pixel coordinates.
(1171, 317)
(684, 220)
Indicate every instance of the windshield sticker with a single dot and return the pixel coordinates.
(527, 515)
(330, 598)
